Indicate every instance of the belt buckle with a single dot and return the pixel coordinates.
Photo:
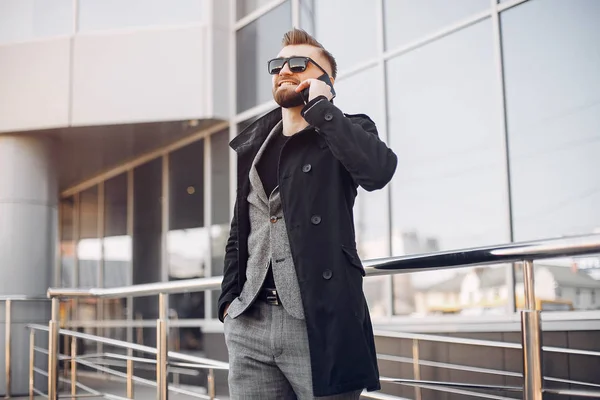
(272, 297)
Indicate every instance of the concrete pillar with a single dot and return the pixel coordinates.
(28, 243)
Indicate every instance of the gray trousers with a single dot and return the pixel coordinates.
(269, 356)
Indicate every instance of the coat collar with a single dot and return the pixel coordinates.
(256, 133)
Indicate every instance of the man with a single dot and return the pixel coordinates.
(296, 320)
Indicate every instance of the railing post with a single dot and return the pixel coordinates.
(531, 338)
(130, 393)
(211, 384)
(31, 363)
(53, 351)
(7, 344)
(73, 368)
(161, 348)
(416, 368)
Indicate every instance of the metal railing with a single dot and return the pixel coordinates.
(184, 361)
(8, 306)
(525, 252)
(452, 387)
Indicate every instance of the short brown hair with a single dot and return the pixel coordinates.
(299, 36)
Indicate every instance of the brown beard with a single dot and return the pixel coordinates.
(287, 98)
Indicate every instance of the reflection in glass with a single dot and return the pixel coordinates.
(408, 20)
(551, 65)
(67, 242)
(188, 241)
(245, 7)
(563, 284)
(115, 14)
(256, 43)
(147, 231)
(470, 291)
(348, 44)
(117, 242)
(218, 240)
(371, 211)
(219, 231)
(89, 247)
(220, 152)
(449, 188)
(307, 16)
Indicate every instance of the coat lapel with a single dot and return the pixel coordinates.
(255, 182)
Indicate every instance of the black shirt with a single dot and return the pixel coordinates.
(268, 165)
(268, 168)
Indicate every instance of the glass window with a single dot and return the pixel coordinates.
(351, 39)
(116, 14)
(188, 239)
(221, 210)
(67, 241)
(368, 101)
(449, 188)
(220, 152)
(258, 42)
(371, 211)
(89, 247)
(408, 20)
(147, 239)
(117, 241)
(30, 19)
(245, 7)
(562, 284)
(551, 64)
(307, 16)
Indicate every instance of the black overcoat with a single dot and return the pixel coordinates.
(319, 171)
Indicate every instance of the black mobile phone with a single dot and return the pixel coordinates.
(324, 78)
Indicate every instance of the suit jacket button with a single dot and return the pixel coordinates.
(306, 168)
(315, 219)
(328, 117)
(327, 274)
(273, 219)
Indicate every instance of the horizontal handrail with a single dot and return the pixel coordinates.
(461, 385)
(488, 255)
(466, 368)
(137, 379)
(21, 297)
(507, 253)
(462, 392)
(575, 392)
(199, 361)
(479, 342)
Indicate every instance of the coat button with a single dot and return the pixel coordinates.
(315, 219)
(273, 219)
(328, 117)
(306, 168)
(327, 274)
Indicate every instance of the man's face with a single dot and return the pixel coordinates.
(285, 83)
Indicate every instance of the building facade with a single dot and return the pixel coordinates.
(115, 119)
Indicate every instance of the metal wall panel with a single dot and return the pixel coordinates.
(139, 76)
(34, 85)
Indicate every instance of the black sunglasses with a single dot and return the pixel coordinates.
(295, 64)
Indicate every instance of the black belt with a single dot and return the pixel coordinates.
(269, 296)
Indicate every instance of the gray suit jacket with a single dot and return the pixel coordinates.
(268, 242)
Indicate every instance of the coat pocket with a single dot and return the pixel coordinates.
(352, 257)
(354, 278)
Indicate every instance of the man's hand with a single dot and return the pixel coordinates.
(226, 310)
(317, 88)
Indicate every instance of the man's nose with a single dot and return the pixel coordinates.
(285, 70)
